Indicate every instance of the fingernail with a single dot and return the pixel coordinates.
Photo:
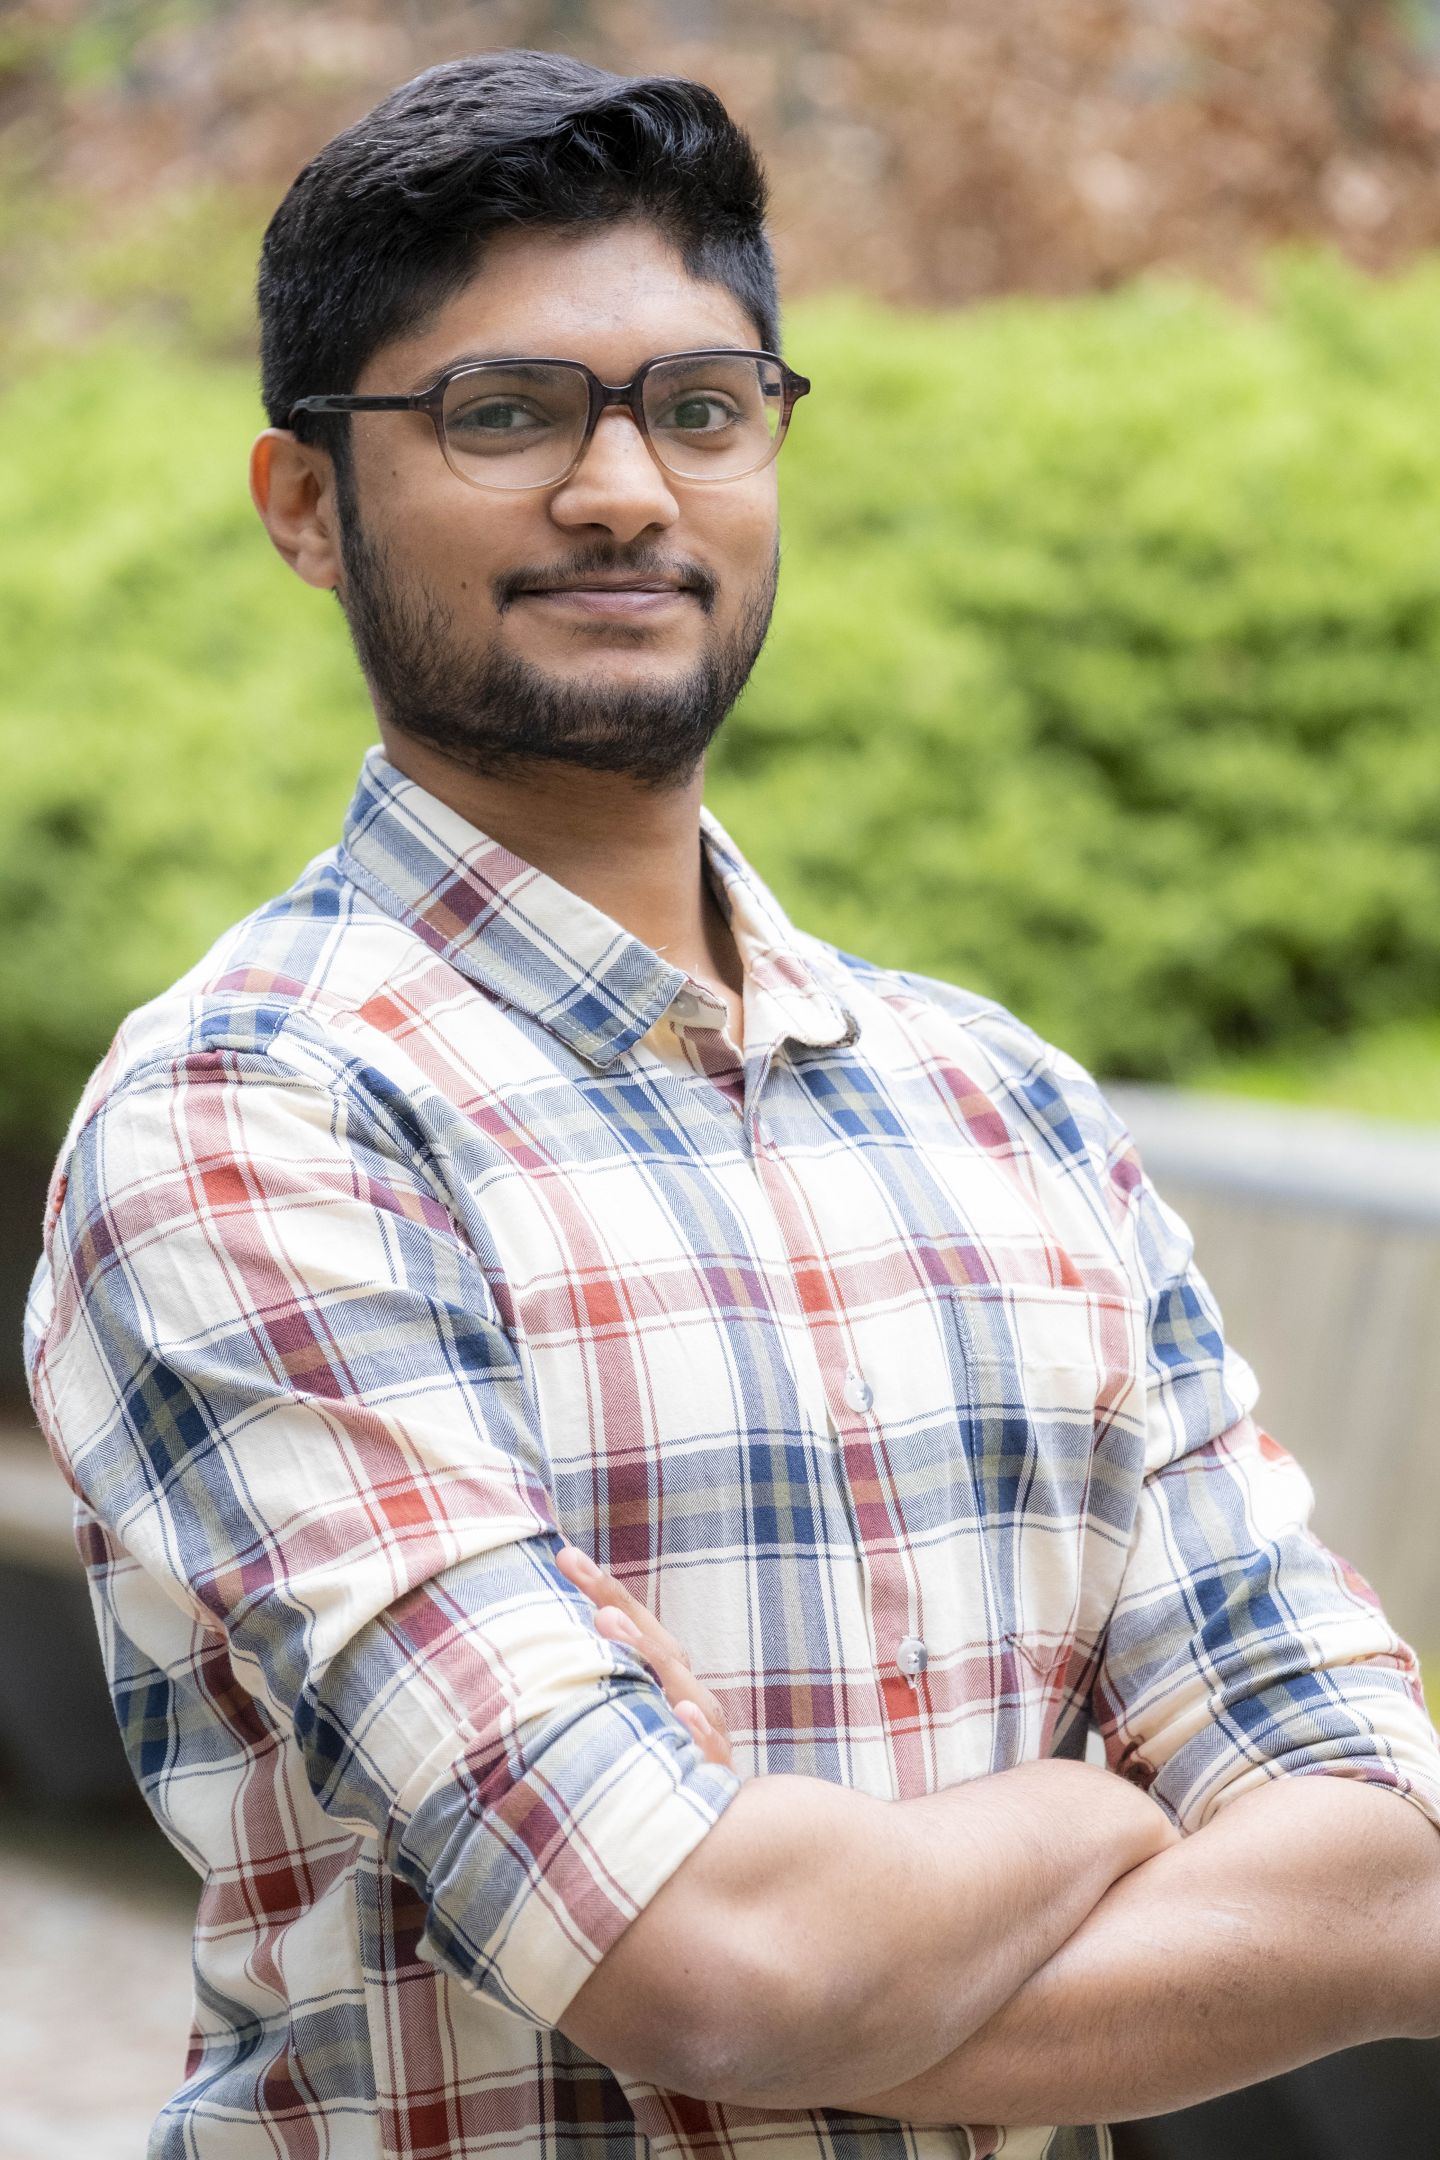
(583, 1565)
(695, 1717)
(618, 1624)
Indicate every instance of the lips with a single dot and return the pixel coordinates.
(611, 601)
(596, 585)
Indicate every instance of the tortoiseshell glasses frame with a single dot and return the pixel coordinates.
(453, 395)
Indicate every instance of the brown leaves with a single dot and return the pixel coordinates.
(928, 150)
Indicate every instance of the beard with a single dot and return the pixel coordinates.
(497, 714)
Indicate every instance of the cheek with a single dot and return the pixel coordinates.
(742, 537)
(454, 539)
(410, 499)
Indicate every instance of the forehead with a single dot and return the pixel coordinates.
(609, 295)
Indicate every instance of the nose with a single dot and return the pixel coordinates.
(618, 483)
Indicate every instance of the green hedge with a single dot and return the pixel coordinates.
(1103, 676)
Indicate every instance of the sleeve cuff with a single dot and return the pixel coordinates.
(612, 1804)
(1361, 1722)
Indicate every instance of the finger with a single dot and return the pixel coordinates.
(577, 1567)
(647, 1637)
(713, 1744)
(577, 1564)
(622, 1618)
(603, 1590)
(674, 1675)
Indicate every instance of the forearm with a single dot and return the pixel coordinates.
(817, 1940)
(1304, 1918)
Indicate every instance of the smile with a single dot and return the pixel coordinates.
(611, 600)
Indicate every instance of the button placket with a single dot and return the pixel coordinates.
(856, 1434)
(697, 1009)
(859, 1395)
(912, 1657)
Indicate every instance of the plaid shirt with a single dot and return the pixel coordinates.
(432, 1218)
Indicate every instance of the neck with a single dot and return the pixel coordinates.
(633, 852)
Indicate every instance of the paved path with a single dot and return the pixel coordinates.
(94, 1989)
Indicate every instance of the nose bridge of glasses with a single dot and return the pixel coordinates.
(626, 397)
(621, 396)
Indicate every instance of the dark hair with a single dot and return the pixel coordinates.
(390, 219)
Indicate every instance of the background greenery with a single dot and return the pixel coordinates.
(1102, 677)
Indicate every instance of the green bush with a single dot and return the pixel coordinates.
(1103, 675)
(180, 728)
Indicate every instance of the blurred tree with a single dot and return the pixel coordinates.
(927, 150)
(1103, 672)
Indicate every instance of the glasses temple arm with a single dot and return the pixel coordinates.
(355, 403)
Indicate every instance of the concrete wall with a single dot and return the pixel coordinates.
(1320, 1236)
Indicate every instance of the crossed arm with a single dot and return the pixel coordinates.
(1304, 1918)
(1033, 1947)
(374, 1538)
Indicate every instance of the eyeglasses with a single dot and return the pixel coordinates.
(708, 415)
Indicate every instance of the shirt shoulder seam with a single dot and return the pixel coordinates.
(333, 1069)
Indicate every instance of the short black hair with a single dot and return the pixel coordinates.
(390, 219)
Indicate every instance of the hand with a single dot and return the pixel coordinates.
(622, 1618)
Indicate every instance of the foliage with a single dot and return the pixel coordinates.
(1389, 1071)
(1107, 672)
(1102, 675)
(179, 728)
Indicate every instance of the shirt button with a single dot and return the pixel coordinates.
(858, 1392)
(912, 1657)
(685, 1007)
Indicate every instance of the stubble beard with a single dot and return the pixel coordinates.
(497, 714)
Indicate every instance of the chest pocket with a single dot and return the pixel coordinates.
(1050, 1437)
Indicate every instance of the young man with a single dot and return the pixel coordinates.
(521, 1190)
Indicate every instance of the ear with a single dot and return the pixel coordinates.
(292, 485)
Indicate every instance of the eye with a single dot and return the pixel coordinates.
(494, 416)
(689, 413)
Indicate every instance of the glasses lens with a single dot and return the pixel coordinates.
(713, 415)
(514, 426)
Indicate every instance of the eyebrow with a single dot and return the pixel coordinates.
(476, 359)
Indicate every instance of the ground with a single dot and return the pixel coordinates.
(94, 1986)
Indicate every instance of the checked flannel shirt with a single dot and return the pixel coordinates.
(432, 1218)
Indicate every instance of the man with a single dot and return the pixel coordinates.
(521, 1192)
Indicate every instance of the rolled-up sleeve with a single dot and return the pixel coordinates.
(277, 1373)
(1240, 1648)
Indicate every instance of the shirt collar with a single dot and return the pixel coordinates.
(542, 949)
